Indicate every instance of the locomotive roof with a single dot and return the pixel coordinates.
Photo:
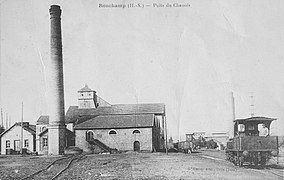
(256, 119)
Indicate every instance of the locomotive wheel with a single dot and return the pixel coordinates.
(241, 161)
(255, 162)
(227, 156)
(235, 160)
(230, 156)
(264, 158)
(256, 159)
(238, 160)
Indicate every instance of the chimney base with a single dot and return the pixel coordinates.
(56, 139)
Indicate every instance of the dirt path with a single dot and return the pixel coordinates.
(162, 166)
(143, 166)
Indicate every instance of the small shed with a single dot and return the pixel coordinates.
(11, 139)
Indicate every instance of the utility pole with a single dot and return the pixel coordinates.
(231, 133)
(9, 120)
(2, 120)
(21, 143)
(6, 120)
(165, 130)
(166, 135)
(1, 66)
(233, 106)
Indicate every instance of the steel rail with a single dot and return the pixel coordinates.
(76, 157)
(45, 168)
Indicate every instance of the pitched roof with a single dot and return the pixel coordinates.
(67, 131)
(86, 89)
(43, 132)
(256, 120)
(32, 127)
(28, 127)
(43, 120)
(75, 114)
(117, 121)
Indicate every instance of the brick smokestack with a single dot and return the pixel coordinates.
(56, 129)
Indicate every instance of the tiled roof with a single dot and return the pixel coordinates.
(86, 89)
(43, 120)
(117, 121)
(75, 114)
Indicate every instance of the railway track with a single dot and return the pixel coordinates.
(56, 168)
(277, 172)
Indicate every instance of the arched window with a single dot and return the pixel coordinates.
(89, 135)
(136, 131)
(112, 132)
(43, 128)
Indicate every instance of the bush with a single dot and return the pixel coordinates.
(211, 144)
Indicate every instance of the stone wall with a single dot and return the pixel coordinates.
(123, 140)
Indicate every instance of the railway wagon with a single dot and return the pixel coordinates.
(186, 146)
(250, 143)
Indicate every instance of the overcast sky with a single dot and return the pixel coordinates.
(189, 58)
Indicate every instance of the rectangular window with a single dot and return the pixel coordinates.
(7, 144)
(44, 142)
(26, 143)
(241, 128)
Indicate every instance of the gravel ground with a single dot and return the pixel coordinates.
(161, 166)
(221, 155)
(136, 166)
(17, 167)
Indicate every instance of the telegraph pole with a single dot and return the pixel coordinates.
(6, 120)
(9, 120)
(231, 133)
(165, 130)
(1, 68)
(21, 143)
(2, 120)
(166, 135)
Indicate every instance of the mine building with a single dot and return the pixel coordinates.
(11, 139)
(100, 126)
(42, 136)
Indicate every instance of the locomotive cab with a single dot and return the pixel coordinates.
(252, 142)
(251, 126)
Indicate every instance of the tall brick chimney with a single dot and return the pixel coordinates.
(56, 128)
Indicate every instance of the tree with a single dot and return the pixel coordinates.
(211, 144)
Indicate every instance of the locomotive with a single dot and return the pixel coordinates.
(248, 146)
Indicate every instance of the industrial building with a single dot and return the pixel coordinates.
(100, 126)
